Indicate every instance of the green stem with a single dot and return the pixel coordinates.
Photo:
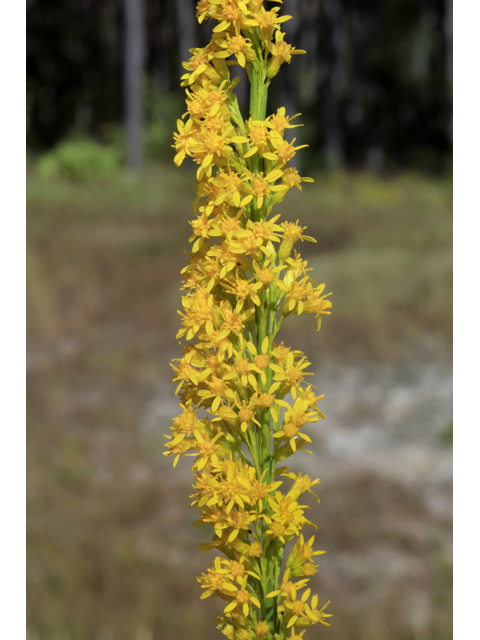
(271, 559)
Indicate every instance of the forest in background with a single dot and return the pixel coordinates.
(375, 88)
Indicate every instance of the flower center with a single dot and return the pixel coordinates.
(242, 596)
(297, 607)
(245, 415)
(266, 276)
(262, 361)
(266, 400)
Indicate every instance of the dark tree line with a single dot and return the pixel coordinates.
(375, 87)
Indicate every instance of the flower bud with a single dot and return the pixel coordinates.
(273, 67)
(285, 249)
(262, 629)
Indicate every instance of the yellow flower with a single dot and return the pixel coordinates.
(216, 579)
(230, 13)
(177, 449)
(300, 559)
(262, 629)
(187, 422)
(246, 414)
(279, 121)
(288, 589)
(297, 636)
(197, 64)
(208, 450)
(243, 290)
(240, 283)
(261, 186)
(218, 390)
(317, 303)
(291, 178)
(266, 274)
(281, 52)
(243, 598)
(204, 68)
(309, 396)
(296, 608)
(295, 418)
(292, 232)
(184, 371)
(202, 228)
(183, 140)
(268, 21)
(205, 9)
(287, 518)
(258, 138)
(301, 484)
(291, 374)
(230, 187)
(312, 615)
(211, 148)
(283, 151)
(198, 308)
(240, 47)
(295, 294)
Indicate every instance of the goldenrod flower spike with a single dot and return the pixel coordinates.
(243, 396)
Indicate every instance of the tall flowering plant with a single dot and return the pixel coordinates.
(244, 398)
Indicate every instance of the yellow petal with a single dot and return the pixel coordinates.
(251, 152)
(221, 27)
(290, 622)
(207, 160)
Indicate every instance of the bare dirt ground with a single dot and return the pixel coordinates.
(112, 554)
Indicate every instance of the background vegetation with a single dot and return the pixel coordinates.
(375, 87)
(112, 554)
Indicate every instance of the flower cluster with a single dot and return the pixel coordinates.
(244, 397)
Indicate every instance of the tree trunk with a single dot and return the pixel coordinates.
(333, 14)
(448, 28)
(186, 29)
(134, 56)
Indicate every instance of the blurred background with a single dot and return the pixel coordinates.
(112, 554)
